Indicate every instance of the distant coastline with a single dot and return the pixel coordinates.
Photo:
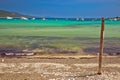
(4, 14)
(8, 14)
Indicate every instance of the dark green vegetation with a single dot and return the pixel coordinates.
(60, 36)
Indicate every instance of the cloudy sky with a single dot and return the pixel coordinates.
(63, 8)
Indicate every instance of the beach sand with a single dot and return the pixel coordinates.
(82, 68)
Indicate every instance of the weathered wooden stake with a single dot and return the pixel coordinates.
(101, 47)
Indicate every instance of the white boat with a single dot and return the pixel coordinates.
(9, 17)
(33, 18)
(43, 19)
(82, 19)
(24, 18)
(115, 19)
(77, 19)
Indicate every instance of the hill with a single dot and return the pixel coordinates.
(4, 13)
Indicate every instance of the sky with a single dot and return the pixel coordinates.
(63, 8)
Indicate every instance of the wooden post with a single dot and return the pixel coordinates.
(101, 47)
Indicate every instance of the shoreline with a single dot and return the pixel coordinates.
(59, 56)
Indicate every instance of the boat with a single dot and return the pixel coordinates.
(115, 19)
(43, 19)
(33, 18)
(82, 19)
(77, 19)
(9, 17)
(24, 18)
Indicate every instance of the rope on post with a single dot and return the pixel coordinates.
(101, 47)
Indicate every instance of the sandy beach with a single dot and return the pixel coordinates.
(59, 69)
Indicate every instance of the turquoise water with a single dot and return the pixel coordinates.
(62, 34)
(54, 22)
